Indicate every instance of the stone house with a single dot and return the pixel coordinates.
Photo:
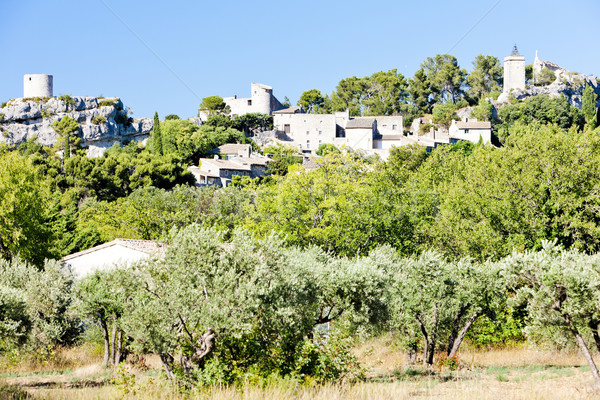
(119, 252)
(472, 130)
(308, 131)
(220, 172)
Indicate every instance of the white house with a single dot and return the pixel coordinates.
(261, 101)
(119, 252)
(239, 160)
(472, 130)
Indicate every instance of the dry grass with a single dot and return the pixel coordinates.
(519, 373)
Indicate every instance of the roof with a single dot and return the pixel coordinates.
(230, 148)
(225, 164)
(390, 137)
(250, 160)
(289, 110)
(196, 170)
(360, 123)
(149, 247)
(474, 125)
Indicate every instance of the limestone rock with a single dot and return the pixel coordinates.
(23, 119)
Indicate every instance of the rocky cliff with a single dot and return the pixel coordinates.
(103, 121)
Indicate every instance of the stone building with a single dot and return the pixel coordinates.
(229, 160)
(375, 134)
(471, 130)
(261, 101)
(514, 74)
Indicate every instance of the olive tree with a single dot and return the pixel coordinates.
(441, 299)
(562, 290)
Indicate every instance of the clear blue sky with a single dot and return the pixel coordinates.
(219, 47)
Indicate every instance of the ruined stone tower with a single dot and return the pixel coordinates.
(514, 71)
(37, 85)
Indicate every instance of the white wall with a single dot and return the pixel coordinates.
(38, 85)
(307, 131)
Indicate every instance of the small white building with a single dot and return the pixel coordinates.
(472, 130)
(119, 252)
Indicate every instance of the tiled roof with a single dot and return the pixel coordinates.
(474, 125)
(224, 164)
(230, 148)
(289, 110)
(149, 247)
(360, 123)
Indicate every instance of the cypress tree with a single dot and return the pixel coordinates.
(157, 145)
(588, 104)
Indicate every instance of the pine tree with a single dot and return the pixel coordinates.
(157, 145)
(588, 103)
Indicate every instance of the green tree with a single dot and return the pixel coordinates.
(545, 77)
(213, 105)
(385, 93)
(485, 78)
(484, 111)
(310, 100)
(443, 114)
(560, 289)
(589, 100)
(327, 148)
(25, 197)
(157, 140)
(348, 95)
(445, 76)
(66, 128)
(420, 92)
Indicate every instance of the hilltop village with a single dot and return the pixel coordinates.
(105, 121)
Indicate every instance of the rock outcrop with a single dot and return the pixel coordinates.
(566, 83)
(103, 121)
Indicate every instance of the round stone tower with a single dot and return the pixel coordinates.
(38, 85)
(514, 71)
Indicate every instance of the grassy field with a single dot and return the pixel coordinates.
(518, 373)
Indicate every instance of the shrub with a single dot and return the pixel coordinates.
(1, 117)
(171, 116)
(69, 102)
(545, 77)
(99, 120)
(4, 104)
(106, 103)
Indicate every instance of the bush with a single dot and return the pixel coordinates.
(107, 103)
(545, 77)
(99, 120)
(171, 117)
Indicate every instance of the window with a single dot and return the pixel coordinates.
(307, 132)
(308, 144)
(319, 142)
(320, 132)
(466, 131)
(394, 127)
(249, 102)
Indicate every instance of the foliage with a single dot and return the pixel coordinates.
(99, 120)
(68, 100)
(36, 304)
(156, 136)
(560, 289)
(484, 111)
(310, 100)
(545, 77)
(420, 92)
(446, 78)
(485, 78)
(24, 196)
(66, 128)
(443, 114)
(213, 105)
(171, 117)
(327, 148)
(589, 100)
(543, 109)
(107, 103)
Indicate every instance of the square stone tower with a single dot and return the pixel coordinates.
(514, 71)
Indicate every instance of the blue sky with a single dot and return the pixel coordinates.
(219, 47)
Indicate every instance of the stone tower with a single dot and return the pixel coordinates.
(514, 71)
(38, 85)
